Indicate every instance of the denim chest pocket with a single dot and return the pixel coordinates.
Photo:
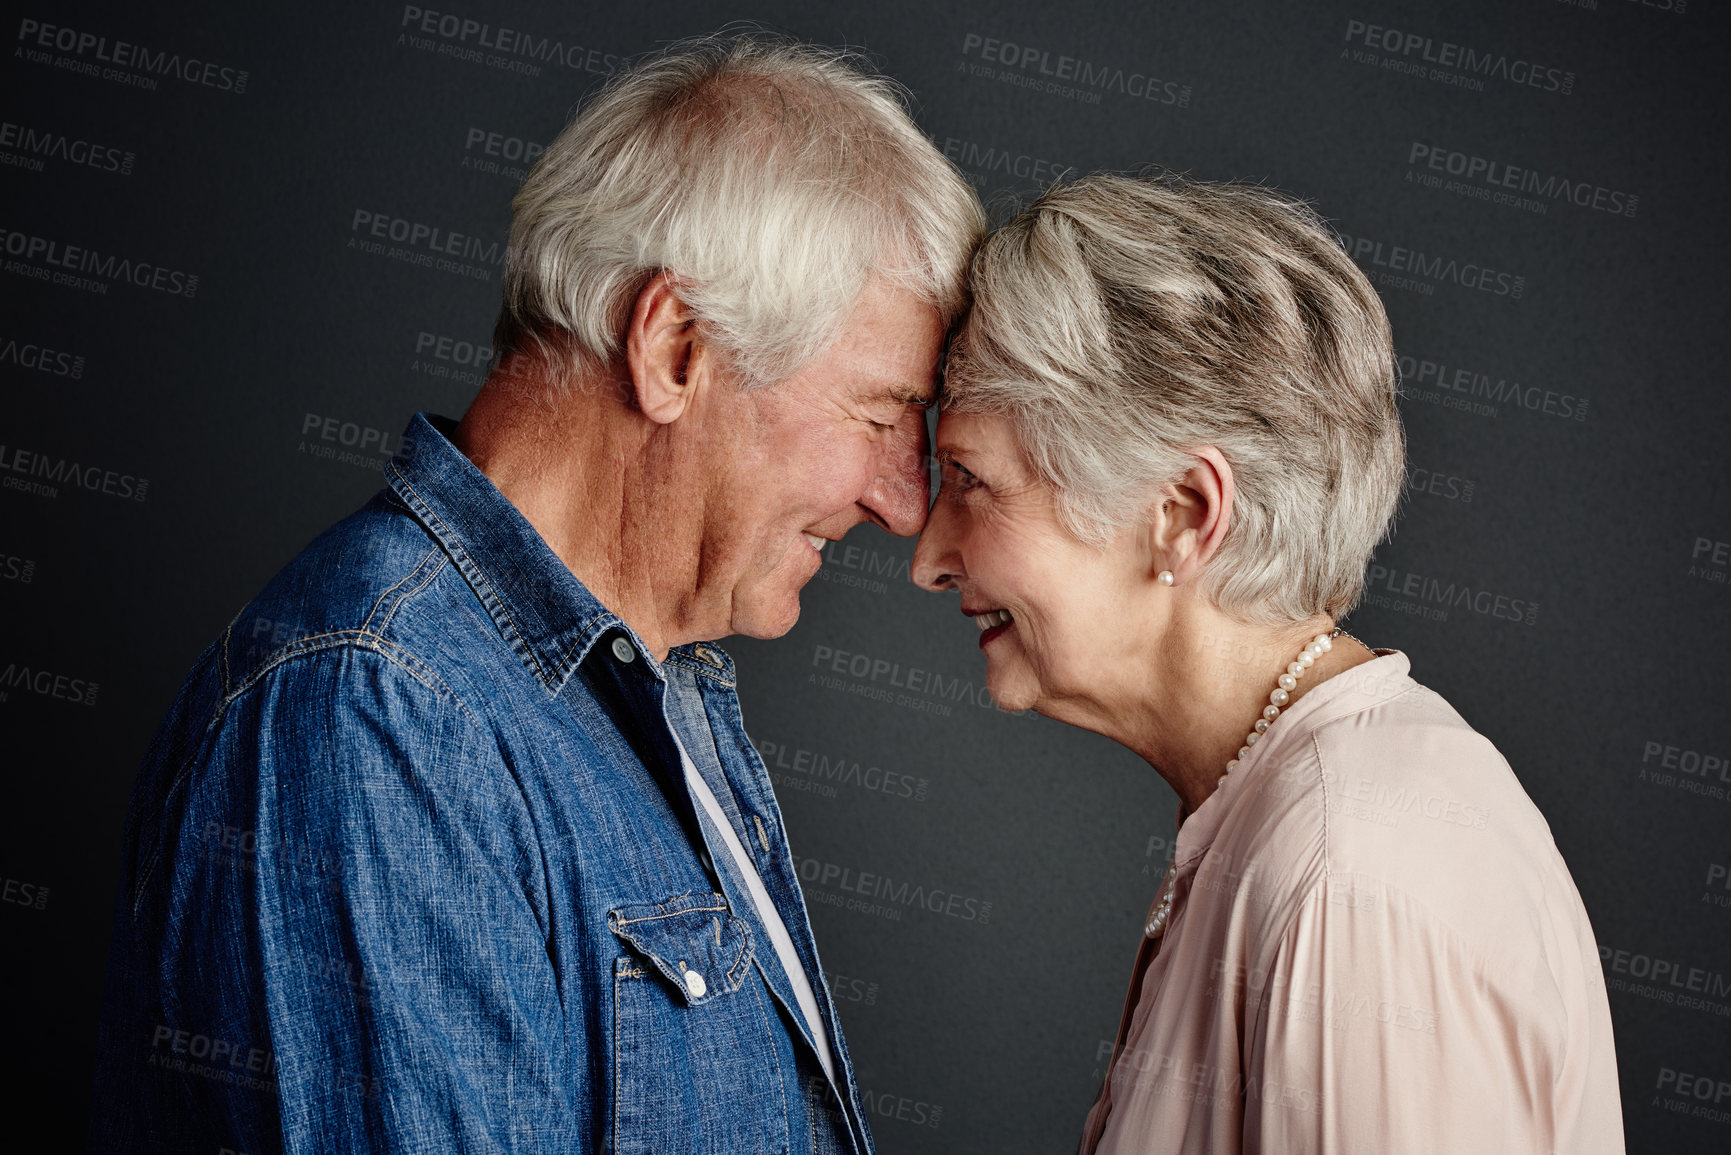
(701, 1059)
(693, 940)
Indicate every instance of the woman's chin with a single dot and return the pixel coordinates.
(1011, 692)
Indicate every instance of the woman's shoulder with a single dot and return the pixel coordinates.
(1397, 792)
(1412, 755)
(1405, 795)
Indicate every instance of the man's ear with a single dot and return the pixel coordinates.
(1189, 519)
(659, 343)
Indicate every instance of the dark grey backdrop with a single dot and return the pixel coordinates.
(206, 352)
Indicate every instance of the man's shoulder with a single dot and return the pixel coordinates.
(366, 582)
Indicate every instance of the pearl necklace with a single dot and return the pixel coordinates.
(1281, 695)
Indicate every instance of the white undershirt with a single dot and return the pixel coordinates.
(766, 911)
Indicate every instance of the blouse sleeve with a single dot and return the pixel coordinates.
(1376, 1029)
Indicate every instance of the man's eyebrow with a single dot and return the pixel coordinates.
(897, 392)
(911, 395)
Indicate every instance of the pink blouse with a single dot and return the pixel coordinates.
(1374, 946)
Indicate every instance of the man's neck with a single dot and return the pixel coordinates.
(572, 461)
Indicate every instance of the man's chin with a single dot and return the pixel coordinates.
(766, 621)
(769, 606)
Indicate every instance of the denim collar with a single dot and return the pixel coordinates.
(545, 614)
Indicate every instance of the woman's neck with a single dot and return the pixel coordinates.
(1213, 681)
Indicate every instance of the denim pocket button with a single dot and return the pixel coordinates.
(695, 984)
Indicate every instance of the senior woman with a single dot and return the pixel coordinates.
(1169, 443)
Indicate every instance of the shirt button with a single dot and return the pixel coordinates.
(695, 984)
(622, 650)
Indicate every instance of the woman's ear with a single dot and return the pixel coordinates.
(1189, 517)
(659, 344)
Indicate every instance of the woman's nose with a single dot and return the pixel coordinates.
(936, 561)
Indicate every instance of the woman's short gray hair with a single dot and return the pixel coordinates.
(771, 178)
(1119, 322)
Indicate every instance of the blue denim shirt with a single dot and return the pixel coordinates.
(411, 865)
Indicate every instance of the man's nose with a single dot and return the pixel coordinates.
(900, 492)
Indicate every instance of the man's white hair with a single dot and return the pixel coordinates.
(1120, 322)
(771, 179)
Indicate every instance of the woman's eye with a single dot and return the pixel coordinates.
(960, 479)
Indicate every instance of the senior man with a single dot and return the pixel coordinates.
(475, 854)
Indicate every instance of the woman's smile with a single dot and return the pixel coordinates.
(992, 623)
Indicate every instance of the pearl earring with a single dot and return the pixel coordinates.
(1164, 577)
